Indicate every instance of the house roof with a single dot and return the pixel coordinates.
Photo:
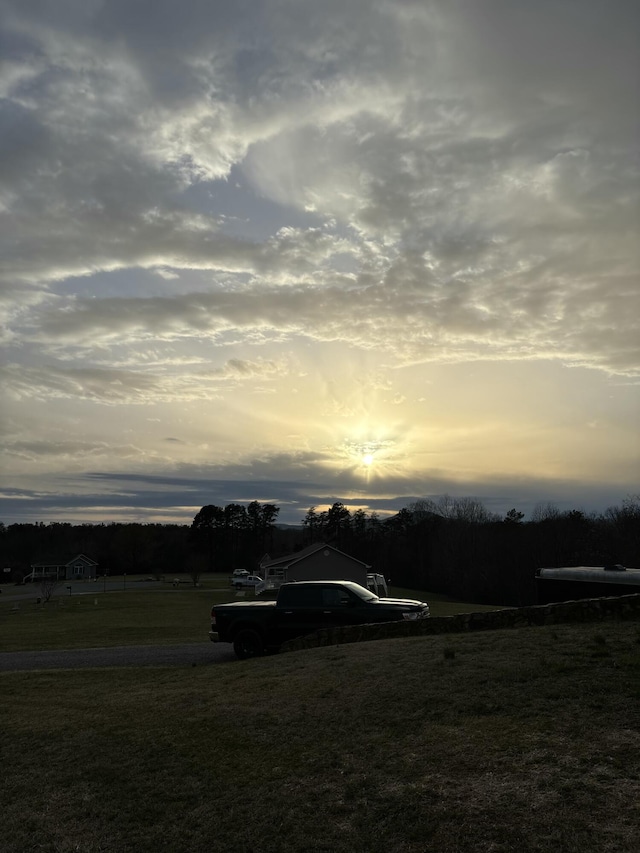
(297, 557)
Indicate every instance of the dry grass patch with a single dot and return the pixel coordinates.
(521, 740)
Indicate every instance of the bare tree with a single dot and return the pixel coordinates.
(457, 509)
(48, 585)
(195, 567)
(545, 512)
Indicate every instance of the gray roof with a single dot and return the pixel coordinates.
(297, 557)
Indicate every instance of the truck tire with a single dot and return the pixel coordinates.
(248, 644)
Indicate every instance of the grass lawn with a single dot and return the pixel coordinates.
(135, 616)
(108, 619)
(516, 740)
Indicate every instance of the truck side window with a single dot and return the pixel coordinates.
(334, 597)
(300, 596)
(310, 597)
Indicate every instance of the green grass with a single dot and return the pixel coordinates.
(440, 605)
(509, 740)
(133, 616)
(111, 619)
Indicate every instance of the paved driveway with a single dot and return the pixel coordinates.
(186, 654)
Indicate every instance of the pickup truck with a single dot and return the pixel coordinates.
(302, 608)
(238, 581)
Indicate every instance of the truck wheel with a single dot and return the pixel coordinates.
(248, 644)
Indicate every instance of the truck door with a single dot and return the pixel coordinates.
(343, 606)
(302, 610)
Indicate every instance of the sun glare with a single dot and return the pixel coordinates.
(371, 456)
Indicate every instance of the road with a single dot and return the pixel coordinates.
(186, 654)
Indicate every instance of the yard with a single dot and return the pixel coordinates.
(522, 739)
(132, 613)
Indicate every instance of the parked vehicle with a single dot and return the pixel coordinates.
(240, 581)
(377, 584)
(565, 583)
(302, 608)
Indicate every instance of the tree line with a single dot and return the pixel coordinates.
(452, 546)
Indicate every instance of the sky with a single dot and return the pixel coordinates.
(300, 252)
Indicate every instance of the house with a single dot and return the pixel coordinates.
(80, 567)
(318, 562)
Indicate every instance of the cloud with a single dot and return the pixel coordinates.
(256, 202)
(118, 386)
(177, 499)
(504, 217)
(408, 315)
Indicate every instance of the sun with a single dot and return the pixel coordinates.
(368, 457)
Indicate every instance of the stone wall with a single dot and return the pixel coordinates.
(625, 607)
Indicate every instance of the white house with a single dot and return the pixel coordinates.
(80, 567)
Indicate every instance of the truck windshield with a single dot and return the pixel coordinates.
(361, 592)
